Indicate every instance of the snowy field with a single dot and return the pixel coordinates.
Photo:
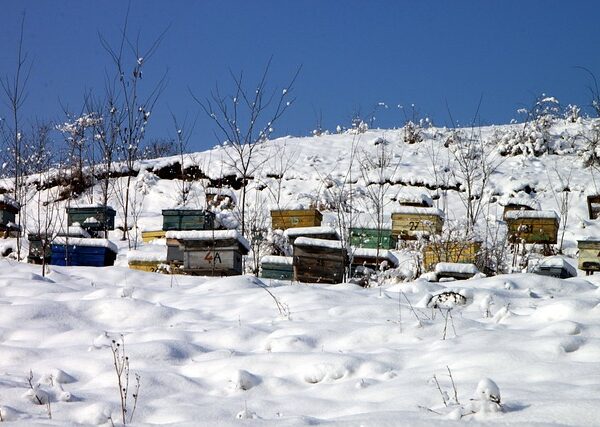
(241, 351)
(219, 352)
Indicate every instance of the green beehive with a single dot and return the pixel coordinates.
(370, 238)
(188, 219)
(92, 218)
(277, 267)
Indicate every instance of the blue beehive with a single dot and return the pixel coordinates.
(83, 252)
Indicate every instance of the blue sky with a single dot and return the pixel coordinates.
(354, 54)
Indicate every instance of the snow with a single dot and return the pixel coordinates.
(217, 351)
(455, 267)
(299, 231)
(74, 230)
(272, 259)
(308, 241)
(415, 210)
(408, 195)
(517, 214)
(76, 241)
(208, 235)
(225, 352)
(150, 253)
(374, 253)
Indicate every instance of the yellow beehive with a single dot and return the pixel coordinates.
(284, 219)
(149, 266)
(148, 236)
(589, 255)
(408, 222)
(532, 226)
(450, 251)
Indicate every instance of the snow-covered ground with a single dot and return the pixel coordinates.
(212, 351)
(242, 351)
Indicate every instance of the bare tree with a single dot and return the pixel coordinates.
(134, 106)
(473, 163)
(14, 88)
(378, 170)
(182, 139)
(594, 91)
(561, 192)
(282, 160)
(45, 219)
(244, 120)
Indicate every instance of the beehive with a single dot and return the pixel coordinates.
(150, 258)
(188, 219)
(92, 218)
(277, 267)
(326, 233)
(450, 251)
(589, 255)
(372, 238)
(532, 226)
(319, 260)
(284, 219)
(148, 236)
(83, 252)
(409, 222)
(211, 253)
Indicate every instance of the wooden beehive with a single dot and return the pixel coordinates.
(319, 260)
(373, 238)
(450, 251)
(188, 219)
(589, 255)
(593, 203)
(211, 253)
(153, 259)
(83, 252)
(326, 233)
(284, 219)
(277, 267)
(408, 222)
(148, 236)
(532, 226)
(92, 218)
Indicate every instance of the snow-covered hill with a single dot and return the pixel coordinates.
(213, 351)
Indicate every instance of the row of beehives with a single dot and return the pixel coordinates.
(194, 243)
(82, 242)
(320, 257)
(410, 222)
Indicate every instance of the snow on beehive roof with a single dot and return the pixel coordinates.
(309, 241)
(417, 210)
(298, 231)
(275, 259)
(94, 243)
(208, 235)
(517, 214)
